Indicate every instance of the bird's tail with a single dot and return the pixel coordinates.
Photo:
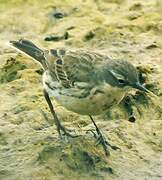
(30, 49)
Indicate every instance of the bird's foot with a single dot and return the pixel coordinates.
(101, 140)
(65, 132)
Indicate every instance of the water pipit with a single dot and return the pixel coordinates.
(83, 81)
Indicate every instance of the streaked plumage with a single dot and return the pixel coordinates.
(83, 81)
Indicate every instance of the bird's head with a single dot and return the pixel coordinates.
(122, 74)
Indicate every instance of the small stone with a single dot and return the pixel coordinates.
(55, 37)
(52, 38)
(151, 46)
(133, 16)
(89, 36)
(66, 35)
(58, 15)
(135, 7)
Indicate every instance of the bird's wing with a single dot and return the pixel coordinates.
(67, 66)
(80, 66)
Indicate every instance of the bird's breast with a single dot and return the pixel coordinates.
(84, 100)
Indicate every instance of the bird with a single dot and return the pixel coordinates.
(83, 81)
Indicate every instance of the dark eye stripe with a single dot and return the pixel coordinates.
(121, 81)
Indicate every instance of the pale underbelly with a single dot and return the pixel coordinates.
(96, 101)
(90, 105)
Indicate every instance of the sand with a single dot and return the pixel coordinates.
(29, 145)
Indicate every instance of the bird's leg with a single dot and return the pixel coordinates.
(59, 127)
(102, 140)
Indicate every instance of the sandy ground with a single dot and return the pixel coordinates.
(29, 145)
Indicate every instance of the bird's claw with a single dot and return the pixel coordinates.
(101, 140)
(93, 132)
(65, 132)
(113, 146)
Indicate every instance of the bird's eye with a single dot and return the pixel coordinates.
(121, 81)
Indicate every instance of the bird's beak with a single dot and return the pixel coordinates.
(140, 87)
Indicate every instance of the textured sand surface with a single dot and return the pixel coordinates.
(29, 145)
